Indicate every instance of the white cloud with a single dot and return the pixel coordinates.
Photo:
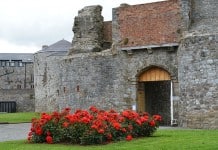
(27, 24)
(7, 47)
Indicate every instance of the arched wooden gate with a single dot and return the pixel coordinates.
(154, 93)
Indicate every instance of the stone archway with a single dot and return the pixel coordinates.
(154, 93)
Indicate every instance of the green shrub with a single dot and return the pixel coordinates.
(92, 127)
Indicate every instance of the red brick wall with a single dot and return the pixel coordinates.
(107, 31)
(149, 24)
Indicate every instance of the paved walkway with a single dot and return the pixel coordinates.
(9, 132)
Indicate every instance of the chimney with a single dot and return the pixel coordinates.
(44, 47)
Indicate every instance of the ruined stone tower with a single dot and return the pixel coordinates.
(88, 30)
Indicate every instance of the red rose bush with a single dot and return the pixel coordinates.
(91, 127)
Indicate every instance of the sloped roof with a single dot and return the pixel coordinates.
(25, 57)
(61, 45)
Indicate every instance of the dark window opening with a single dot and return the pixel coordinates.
(18, 86)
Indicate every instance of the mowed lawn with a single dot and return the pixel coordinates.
(163, 139)
(17, 117)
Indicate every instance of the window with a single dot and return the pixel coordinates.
(12, 64)
(18, 86)
(7, 63)
(3, 63)
(32, 77)
(32, 87)
(16, 63)
(20, 64)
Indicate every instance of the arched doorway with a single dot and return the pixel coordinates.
(154, 93)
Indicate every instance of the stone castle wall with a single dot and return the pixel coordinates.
(47, 79)
(198, 72)
(108, 78)
(24, 99)
(17, 84)
(198, 76)
(102, 79)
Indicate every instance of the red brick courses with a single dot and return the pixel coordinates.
(149, 24)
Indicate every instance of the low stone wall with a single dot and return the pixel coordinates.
(23, 98)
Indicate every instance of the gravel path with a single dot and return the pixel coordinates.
(9, 132)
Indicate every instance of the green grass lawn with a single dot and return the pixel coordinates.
(161, 140)
(17, 117)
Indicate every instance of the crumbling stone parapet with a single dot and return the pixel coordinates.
(88, 30)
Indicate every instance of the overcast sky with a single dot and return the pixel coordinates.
(26, 25)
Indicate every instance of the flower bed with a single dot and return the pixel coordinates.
(91, 127)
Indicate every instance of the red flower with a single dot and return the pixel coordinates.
(39, 131)
(130, 127)
(125, 114)
(30, 133)
(116, 125)
(43, 122)
(94, 126)
(138, 122)
(65, 124)
(49, 139)
(29, 138)
(152, 123)
(85, 120)
(46, 117)
(32, 129)
(101, 131)
(93, 109)
(123, 130)
(129, 137)
(144, 119)
(48, 133)
(121, 119)
(157, 117)
(67, 109)
(109, 136)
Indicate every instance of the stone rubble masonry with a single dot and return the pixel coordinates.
(18, 86)
(198, 71)
(47, 71)
(204, 16)
(108, 78)
(24, 99)
(97, 78)
(88, 30)
(198, 76)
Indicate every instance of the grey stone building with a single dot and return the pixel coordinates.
(160, 57)
(17, 80)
